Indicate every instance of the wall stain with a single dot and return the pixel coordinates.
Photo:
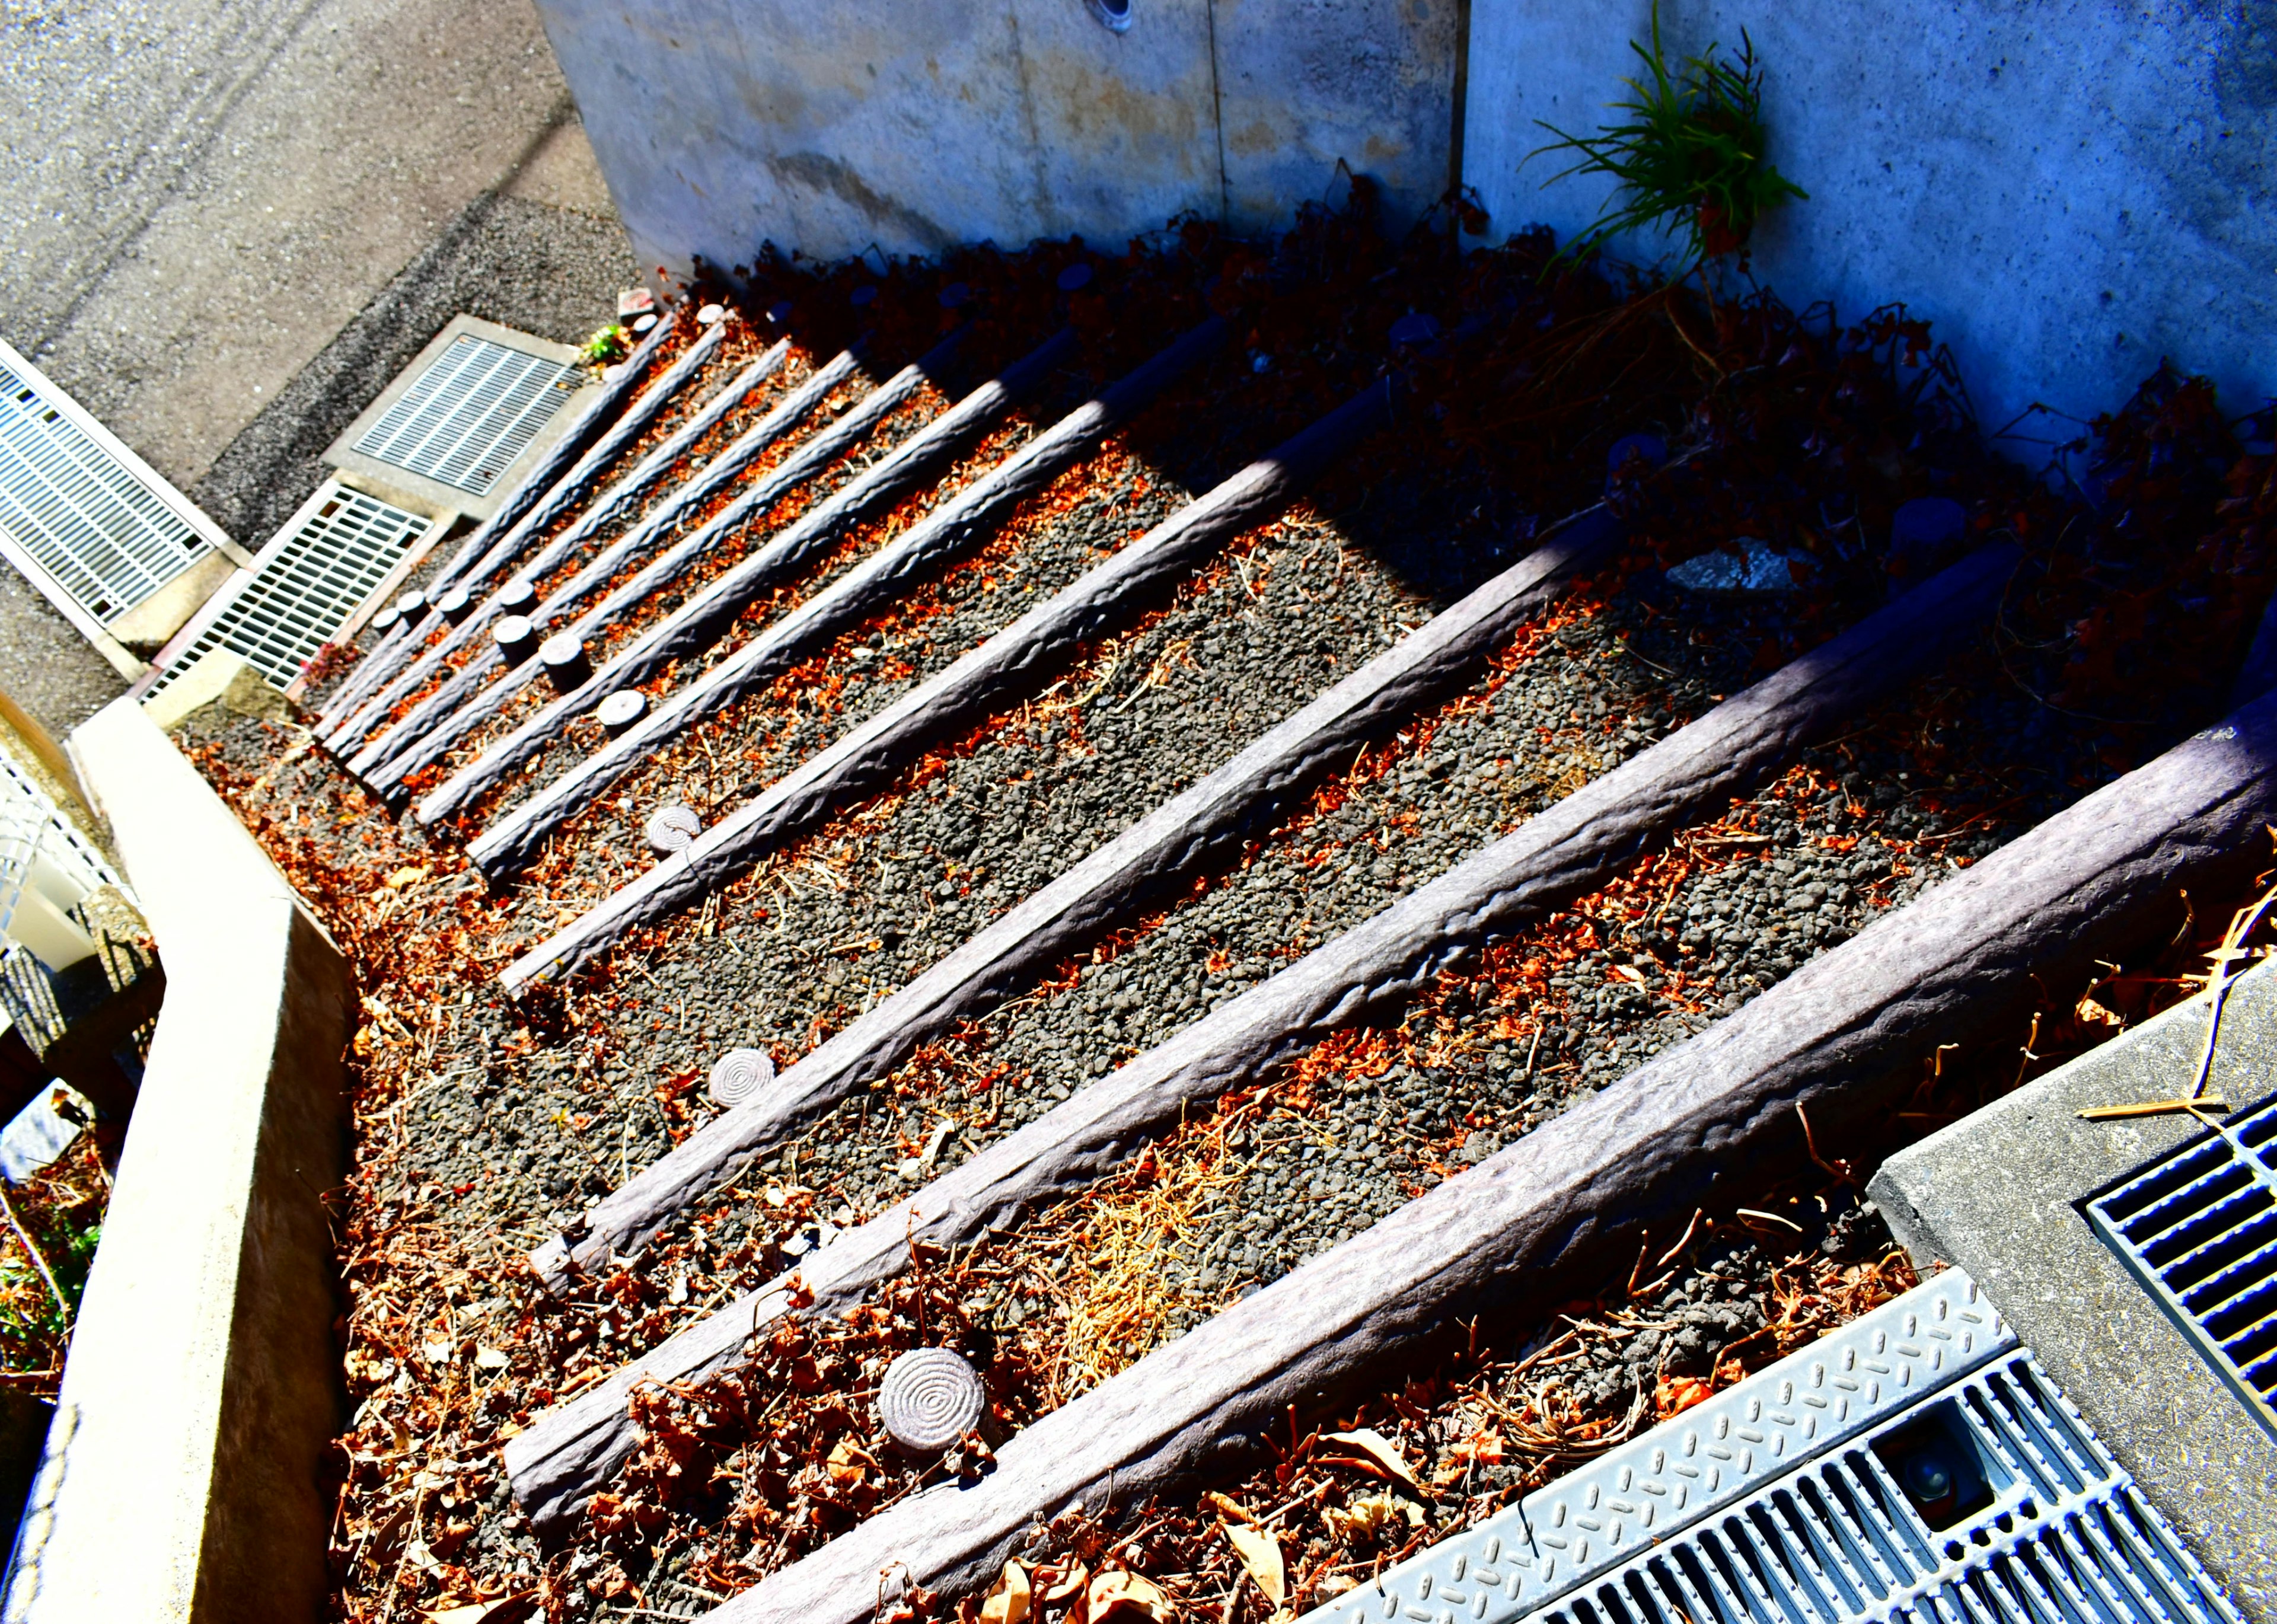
(819, 172)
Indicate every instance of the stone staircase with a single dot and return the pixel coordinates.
(1104, 700)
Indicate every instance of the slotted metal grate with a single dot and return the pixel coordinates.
(304, 585)
(2198, 1228)
(1939, 1479)
(468, 416)
(81, 509)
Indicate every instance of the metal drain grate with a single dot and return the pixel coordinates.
(81, 510)
(468, 416)
(311, 576)
(2198, 1228)
(1916, 1465)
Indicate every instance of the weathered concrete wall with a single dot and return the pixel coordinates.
(914, 125)
(2069, 189)
(185, 1478)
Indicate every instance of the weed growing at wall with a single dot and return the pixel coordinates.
(1689, 159)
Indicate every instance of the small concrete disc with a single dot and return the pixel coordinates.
(622, 709)
(710, 315)
(739, 1074)
(672, 828)
(930, 1398)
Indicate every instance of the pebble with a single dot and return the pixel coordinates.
(1746, 565)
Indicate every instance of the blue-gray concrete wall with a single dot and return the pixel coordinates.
(2069, 189)
(916, 124)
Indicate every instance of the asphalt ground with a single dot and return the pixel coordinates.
(232, 221)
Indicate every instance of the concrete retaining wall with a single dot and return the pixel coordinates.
(916, 125)
(185, 1476)
(2069, 189)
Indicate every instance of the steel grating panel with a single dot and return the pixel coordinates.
(105, 531)
(1957, 1486)
(309, 578)
(2198, 1228)
(468, 416)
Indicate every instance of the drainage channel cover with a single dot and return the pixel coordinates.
(1917, 1464)
(469, 414)
(2198, 1228)
(306, 583)
(82, 509)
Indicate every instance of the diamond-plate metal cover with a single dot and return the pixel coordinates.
(1596, 1517)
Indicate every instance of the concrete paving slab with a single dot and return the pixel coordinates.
(1996, 1194)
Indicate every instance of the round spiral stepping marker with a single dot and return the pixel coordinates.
(672, 828)
(930, 1398)
(739, 1074)
(622, 709)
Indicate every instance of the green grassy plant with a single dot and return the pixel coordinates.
(1689, 159)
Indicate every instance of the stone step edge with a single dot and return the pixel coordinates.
(1833, 1038)
(384, 737)
(438, 720)
(871, 586)
(599, 407)
(1180, 837)
(700, 622)
(1512, 881)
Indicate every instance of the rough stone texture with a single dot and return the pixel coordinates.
(702, 618)
(204, 192)
(1177, 839)
(1648, 1149)
(2067, 191)
(1182, 836)
(446, 716)
(45, 665)
(1997, 1193)
(952, 529)
(599, 409)
(192, 1486)
(1548, 860)
(471, 706)
(721, 126)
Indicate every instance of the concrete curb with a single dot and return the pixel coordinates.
(186, 1473)
(2194, 1450)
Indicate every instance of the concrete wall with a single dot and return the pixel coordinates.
(2067, 188)
(186, 1476)
(915, 124)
